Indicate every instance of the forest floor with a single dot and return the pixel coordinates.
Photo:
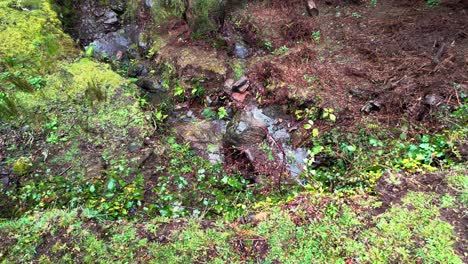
(184, 164)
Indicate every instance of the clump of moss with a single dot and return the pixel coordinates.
(22, 166)
(201, 59)
(32, 37)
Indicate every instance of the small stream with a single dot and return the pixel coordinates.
(258, 132)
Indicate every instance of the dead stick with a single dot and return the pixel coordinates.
(456, 94)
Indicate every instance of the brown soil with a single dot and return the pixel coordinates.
(393, 53)
(250, 246)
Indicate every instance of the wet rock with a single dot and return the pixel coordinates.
(95, 21)
(133, 147)
(138, 70)
(241, 51)
(115, 43)
(433, 100)
(371, 106)
(154, 92)
(248, 127)
(296, 161)
(150, 85)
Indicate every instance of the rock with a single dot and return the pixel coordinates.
(133, 147)
(463, 148)
(228, 86)
(241, 85)
(240, 97)
(247, 127)
(110, 18)
(115, 43)
(241, 51)
(433, 100)
(95, 21)
(205, 137)
(138, 70)
(4, 181)
(370, 106)
(149, 3)
(117, 5)
(296, 158)
(150, 85)
(311, 7)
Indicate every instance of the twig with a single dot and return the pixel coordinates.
(65, 171)
(456, 94)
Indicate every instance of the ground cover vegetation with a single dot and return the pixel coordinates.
(233, 131)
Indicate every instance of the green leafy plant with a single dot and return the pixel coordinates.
(433, 3)
(328, 114)
(222, 112)
(316, 35)
(310, 79)
(280, 50)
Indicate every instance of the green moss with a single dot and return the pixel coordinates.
(34, 37)
(201, 59)
(22, 166)
(334, 233)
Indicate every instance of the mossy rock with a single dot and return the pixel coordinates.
(201, 59)
(32, 36)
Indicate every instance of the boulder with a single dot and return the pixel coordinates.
(205, 137)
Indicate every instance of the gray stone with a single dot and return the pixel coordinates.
(110, 17)
(241, 51)
(205, 137)
(371, 106)
(151, 85)
(433, 99)
(115, 43)
(149, 3)
(117, 5)
(4, 181)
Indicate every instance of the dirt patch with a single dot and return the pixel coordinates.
(165, 231)
(392, 187)
(58, 238)
(303, 210)
(398, 55)
(6, 243)
(250, 246)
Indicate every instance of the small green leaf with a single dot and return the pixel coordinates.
(111, 184)
(351, 148)
(222, 113)
(315, 132)
(90, 51)
(333, 117)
